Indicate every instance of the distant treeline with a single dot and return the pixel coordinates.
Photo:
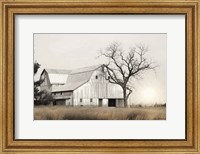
(152, 105)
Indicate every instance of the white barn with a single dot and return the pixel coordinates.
(53, 78)
(87, 87)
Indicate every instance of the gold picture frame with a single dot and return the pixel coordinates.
(9, 8)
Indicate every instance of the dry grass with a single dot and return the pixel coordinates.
(98, 113)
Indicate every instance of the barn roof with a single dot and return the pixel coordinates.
(85, 69)
(57, 76)
(57, 71)
(77, 78)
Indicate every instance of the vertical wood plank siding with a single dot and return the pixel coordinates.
(46, 85)
(97, 88)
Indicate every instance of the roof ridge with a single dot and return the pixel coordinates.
(84, 69)
(81, 72)
(56, 69)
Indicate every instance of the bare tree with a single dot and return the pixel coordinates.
(122, 67)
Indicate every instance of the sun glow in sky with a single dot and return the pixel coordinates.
(149, 94)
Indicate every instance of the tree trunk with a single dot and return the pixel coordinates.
(125, 98)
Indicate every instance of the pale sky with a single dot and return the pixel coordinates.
(71, 51)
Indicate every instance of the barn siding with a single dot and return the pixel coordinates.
(105, 102)
(45, 85)
(96, 88)
(65, 97)
(85, 102)
(69, 102)
(119, 103)
(114, 91)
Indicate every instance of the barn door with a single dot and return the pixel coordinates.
(100, 102)
(112, 102)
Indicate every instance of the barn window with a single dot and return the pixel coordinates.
(81, 99)
(91, 100)
(96, 76)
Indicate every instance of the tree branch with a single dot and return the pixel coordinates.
(126, 66)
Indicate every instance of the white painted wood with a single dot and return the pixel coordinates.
(97, 88)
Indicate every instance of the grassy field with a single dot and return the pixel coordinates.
(98, 113)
